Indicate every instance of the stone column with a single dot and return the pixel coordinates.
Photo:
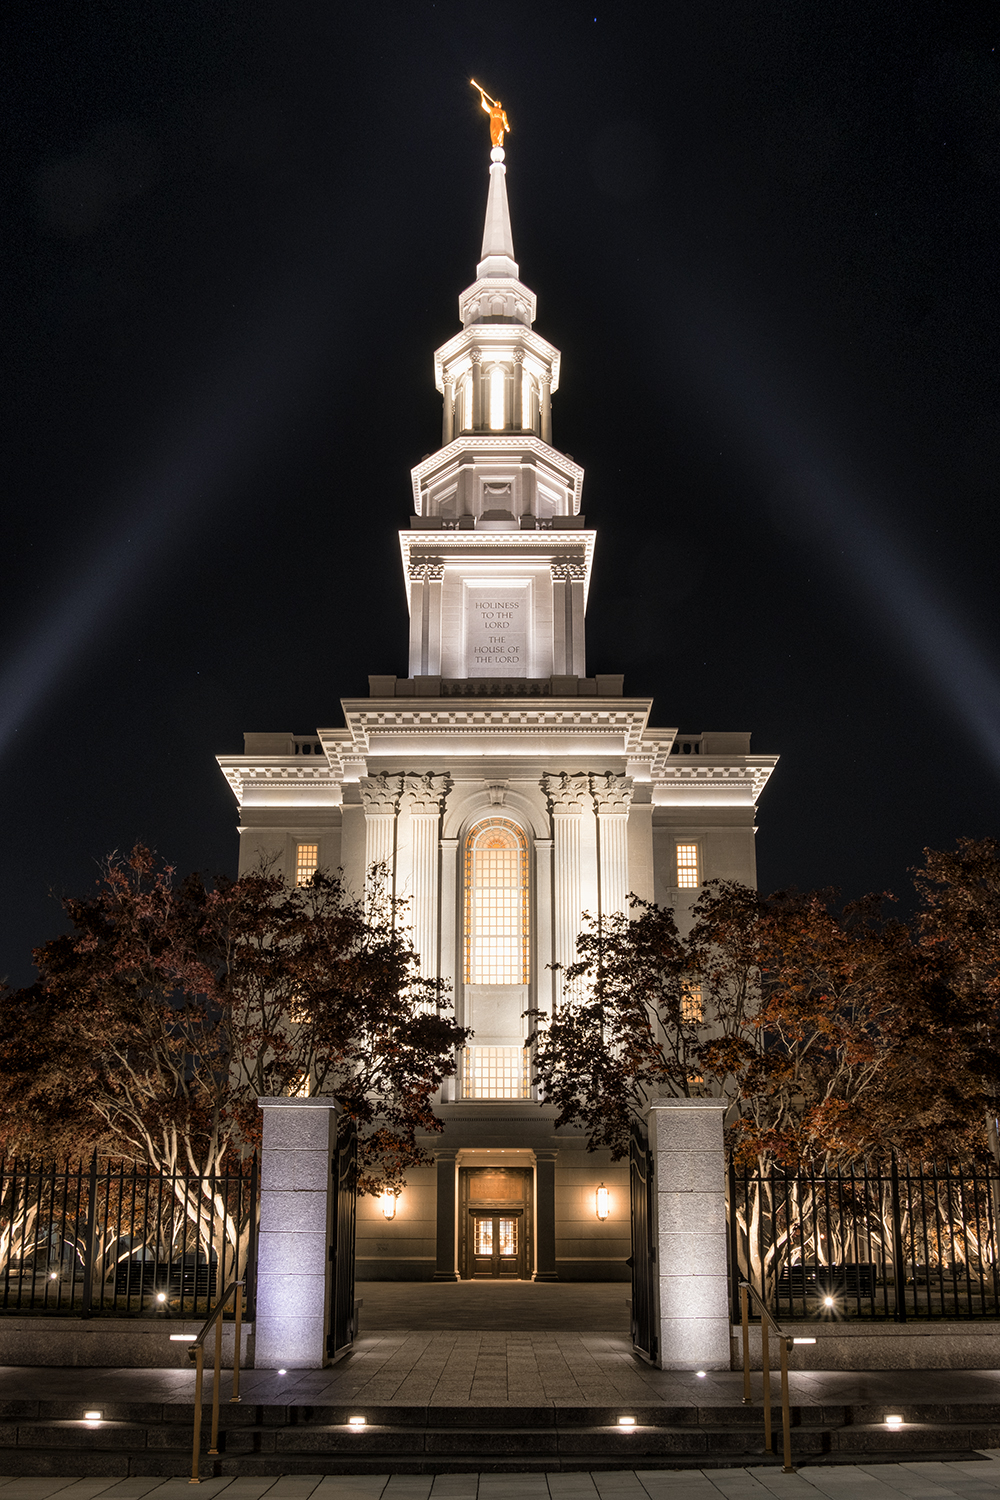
(426, 794)
(433, 587)
(517, 388)
(417, 615)
(567, 792)
(447, 1212)
(380, 795)
(448, 422)
(545, 412)
(690, 1162)
(476, 356)
(293, 1252)
(612, 795)
(562, 629)
(545, 1216)
(576, 656)
(353, 837)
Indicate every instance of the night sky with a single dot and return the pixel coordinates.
(763, 234)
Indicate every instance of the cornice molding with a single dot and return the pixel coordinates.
(512, 444)
(478, 335)
(556, 549)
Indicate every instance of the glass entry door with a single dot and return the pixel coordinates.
(494, 1239)
(497, 1240)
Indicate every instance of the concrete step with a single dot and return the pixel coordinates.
(155, 1439)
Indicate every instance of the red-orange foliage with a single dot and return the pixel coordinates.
(835, 1035)
(171, 1007)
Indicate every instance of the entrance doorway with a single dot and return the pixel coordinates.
(495, 1224)
(497, 1244)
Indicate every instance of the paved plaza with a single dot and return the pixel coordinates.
(495, 1370)
(968, 1480)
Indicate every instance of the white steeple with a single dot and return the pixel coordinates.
(498, 241)
(497, 555)
(497, 295)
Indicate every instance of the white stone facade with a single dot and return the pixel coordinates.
(497, 727)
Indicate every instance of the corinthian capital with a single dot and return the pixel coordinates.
(567, 791)
(381, 794)
(426, 792)
(568, 572)
(426, 570)
(611, 793)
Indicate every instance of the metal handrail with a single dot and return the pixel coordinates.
(197, 1353)
(784, 1344)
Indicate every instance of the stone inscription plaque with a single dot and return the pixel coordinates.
(496, 630)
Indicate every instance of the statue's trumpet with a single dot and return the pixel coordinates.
(485, 95)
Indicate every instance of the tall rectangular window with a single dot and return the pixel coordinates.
(306, 862)
(688, 874)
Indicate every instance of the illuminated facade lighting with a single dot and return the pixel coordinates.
(387, 1204)
(603, 1203)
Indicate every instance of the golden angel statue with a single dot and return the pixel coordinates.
(499, 122)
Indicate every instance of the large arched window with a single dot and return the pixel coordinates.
(496, 904)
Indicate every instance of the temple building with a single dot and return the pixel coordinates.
(506, 792)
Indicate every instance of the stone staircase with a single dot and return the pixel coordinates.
(152, 1438)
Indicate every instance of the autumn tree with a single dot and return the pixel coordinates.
(170, 1006)
(957, 1035)
(819, 1026)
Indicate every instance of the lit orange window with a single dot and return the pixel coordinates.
(688, 878)
(306, 862)
(496, 1073)
(496, 904)
(692, 1004)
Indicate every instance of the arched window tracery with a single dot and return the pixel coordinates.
(497, 926)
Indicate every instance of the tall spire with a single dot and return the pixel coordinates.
(498, 241)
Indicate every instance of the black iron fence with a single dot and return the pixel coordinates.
(112, 1238)
(907, 1241)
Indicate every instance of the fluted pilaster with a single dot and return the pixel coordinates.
(426, 797)
(612, 796)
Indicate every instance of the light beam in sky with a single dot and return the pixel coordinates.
(851, 529)
(214, 443)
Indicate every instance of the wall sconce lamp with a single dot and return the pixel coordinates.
(603, 1203)
(387, 1203)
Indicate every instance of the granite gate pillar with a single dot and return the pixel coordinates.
(691, 1267)
(293, 1248)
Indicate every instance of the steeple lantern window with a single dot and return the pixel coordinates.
(498, 398)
